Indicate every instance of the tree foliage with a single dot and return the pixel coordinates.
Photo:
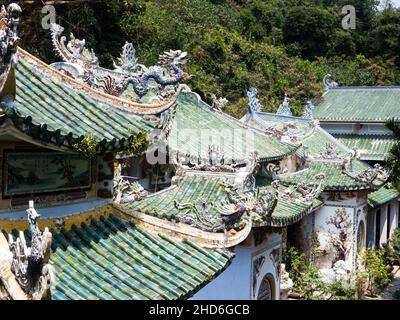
(276, 45)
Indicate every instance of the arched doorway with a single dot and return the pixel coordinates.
(267, 288)
(361, 235)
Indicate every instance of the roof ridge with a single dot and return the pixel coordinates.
(237, 121)
(100, 95)
(365, 88)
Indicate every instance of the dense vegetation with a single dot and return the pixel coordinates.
(276, 45)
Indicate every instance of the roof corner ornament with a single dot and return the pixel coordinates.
(218, 103)
(26, 274)
(254, 104)
(369, 175)
(328, 83)
(284, 108)
(309, 193)
(74, 51)
(308, 112)
(9, 38)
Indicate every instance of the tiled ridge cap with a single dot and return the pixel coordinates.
(139, 107)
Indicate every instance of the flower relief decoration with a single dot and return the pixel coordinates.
(284, 108)
(9, 20)
(25, 272)
(129, 79)
(328, 83)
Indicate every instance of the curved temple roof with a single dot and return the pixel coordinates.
(49, 108)
(353, 104)
(382, 196)
(196, 126)
(182, 202)
(335, 178)
(370, 147)
(111, 258)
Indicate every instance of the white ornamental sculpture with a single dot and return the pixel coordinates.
(24, 271)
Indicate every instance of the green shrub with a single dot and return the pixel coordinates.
(376, 270)
(395, 245)
(87, 145)
(295, 263)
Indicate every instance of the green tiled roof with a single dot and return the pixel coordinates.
(358, 104)
(191, 189)
(370, 147)
(115, 259)
(289, 211)
(49, 109)
(304, 131)
(335, 179)
(382, 196)
(316, 142)
(196, 126)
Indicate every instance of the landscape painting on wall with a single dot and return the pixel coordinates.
(33, 172)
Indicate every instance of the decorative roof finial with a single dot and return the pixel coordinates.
(26, 273)
(127, 62)
(9, 20)
(284, 108)
(218, 103)
(254, 104)
(328, 83)
(308, 112)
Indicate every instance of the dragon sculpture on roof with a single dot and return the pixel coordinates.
(328, 83)
(83, 65)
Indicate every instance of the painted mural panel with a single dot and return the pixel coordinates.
(30, 172)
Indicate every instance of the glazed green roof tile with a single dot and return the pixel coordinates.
(370, 147)
(382, 196)
(196, 126)
(335, 179)
(195, 188)
(369, 104)
(114, 259)
(304, 131)
(191, 189)
(290, 210)
(51, 110)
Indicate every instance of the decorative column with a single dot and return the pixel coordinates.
(393, 217)
(383, 226)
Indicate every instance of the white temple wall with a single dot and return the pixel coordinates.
(243, 278)
(394, 216)
(388, 222)
(356, 209)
